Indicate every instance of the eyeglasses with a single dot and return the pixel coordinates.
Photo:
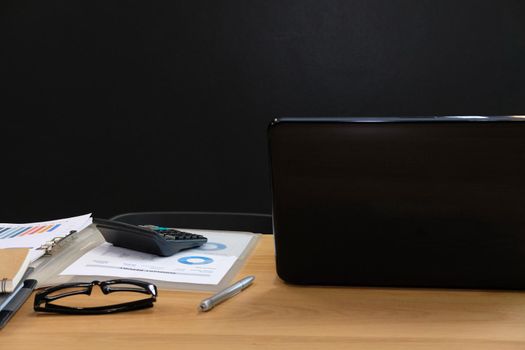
(45, 300)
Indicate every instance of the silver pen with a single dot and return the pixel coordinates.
(234, 289)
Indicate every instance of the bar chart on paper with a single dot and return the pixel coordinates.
(36, 235)
(11, 232)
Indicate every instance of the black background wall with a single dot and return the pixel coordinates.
(117, 106)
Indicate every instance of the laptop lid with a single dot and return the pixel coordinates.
(417, 202)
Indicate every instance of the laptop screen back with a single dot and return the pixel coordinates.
(427, 202)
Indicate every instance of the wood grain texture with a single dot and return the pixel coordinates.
(273, 315)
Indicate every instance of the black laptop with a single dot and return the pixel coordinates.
(411, 202)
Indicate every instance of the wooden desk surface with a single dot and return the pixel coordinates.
(273, 315)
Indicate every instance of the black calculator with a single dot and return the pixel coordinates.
(162, 241)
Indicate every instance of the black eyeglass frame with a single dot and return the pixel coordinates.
(107, 287)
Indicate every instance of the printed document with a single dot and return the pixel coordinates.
(207, 264)
(37, 234)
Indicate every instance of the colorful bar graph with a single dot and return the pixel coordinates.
(7, 232)
(31, 230)
(12, 232)
(17, 232)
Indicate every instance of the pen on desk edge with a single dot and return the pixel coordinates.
(209, 303)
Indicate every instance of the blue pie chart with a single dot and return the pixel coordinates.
(195, 260)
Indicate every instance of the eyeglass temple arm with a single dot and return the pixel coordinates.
(146, 288)
(46, 297)
(109, 289)
(132, 305)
